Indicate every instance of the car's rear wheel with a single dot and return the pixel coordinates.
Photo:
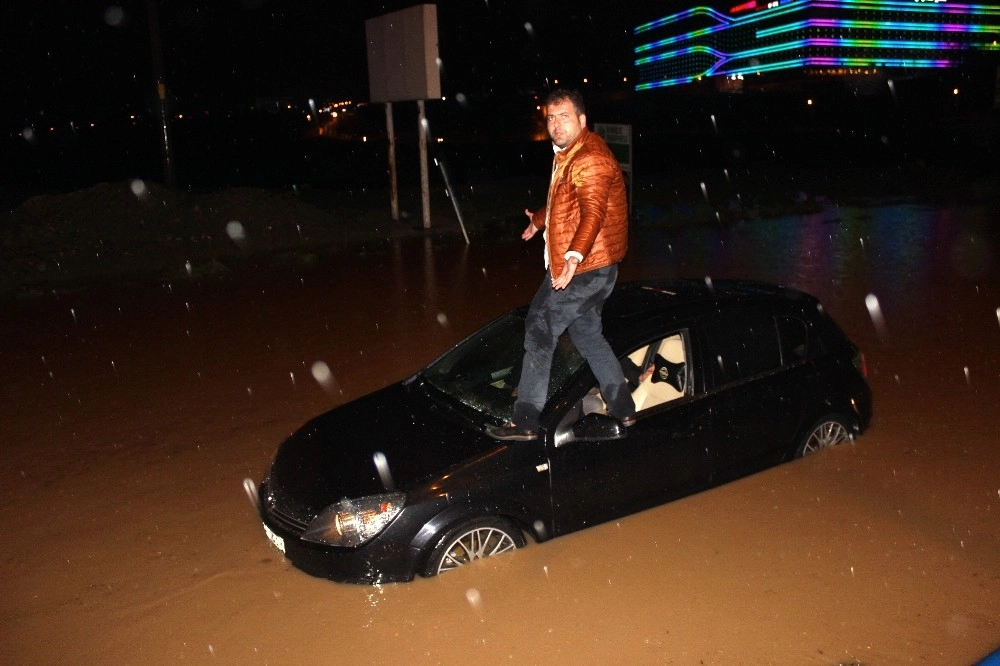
(472, 541)
(828, 431)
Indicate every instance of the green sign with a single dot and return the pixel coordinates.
(619, 140)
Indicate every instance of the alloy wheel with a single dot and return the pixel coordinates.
(475, 544)
(824, 434)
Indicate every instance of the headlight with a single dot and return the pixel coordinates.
(351, 523)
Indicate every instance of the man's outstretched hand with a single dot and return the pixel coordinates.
(531, 229)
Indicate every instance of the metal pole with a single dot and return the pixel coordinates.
(169, 175)
(454, 201)
(393, 179)
(425, 188)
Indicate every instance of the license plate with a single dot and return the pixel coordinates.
(275, 539)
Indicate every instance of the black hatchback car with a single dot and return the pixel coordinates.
(405, 481)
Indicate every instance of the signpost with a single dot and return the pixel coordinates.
(402, 66)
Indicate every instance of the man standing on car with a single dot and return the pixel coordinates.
(585, 226)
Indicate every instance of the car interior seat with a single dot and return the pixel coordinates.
(660, 388)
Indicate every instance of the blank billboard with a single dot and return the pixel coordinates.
(403, 55)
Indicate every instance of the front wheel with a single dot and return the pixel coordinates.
(474, 541)
(828, 431)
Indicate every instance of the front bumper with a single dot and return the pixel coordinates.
(387, 558)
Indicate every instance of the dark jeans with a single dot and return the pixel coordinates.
(578, 309)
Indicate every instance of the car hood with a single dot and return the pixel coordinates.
(333, 456)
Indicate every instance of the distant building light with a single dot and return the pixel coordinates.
(857, 34)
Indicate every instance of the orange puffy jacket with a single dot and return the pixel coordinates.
(587, 206)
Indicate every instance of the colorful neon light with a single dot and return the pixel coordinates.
(818, 39)
(835, 42)
(876, 25)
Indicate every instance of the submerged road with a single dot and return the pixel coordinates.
(131, 415)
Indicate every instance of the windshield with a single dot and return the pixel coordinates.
(482, 371)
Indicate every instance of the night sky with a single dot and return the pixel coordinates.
(80, 60)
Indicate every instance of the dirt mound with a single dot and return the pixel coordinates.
(134, 227)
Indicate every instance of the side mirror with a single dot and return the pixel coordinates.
(598, 427)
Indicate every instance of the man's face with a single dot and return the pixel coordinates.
(564, 124)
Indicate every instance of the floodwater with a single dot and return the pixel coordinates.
(131, 415)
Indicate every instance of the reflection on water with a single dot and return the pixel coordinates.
(898, 253)
(897, 250)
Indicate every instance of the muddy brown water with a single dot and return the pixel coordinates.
(131, 415)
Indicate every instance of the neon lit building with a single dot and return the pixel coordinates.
(812, 36)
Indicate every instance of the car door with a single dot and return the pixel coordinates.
(756, 401)
(664, 455)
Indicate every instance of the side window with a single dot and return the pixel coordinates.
(664, 373)
(656, 373)
(742, 347)
(793, 336)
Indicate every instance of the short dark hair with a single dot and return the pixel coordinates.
(562, 95)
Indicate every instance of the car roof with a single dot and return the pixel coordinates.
(637, 305)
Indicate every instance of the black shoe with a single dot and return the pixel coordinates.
(628, 421)
(511, 432)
